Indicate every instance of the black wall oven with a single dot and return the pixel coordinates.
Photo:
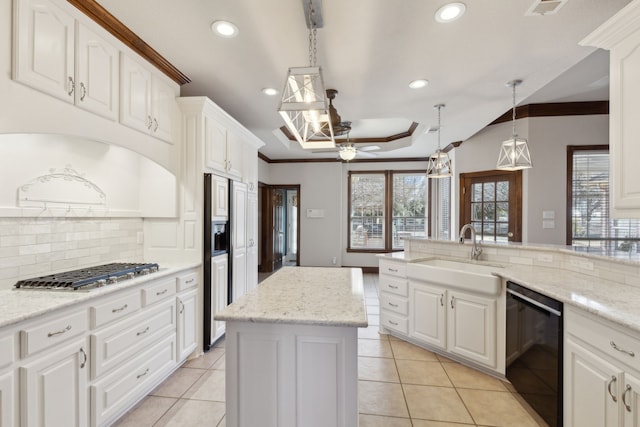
(534, 350)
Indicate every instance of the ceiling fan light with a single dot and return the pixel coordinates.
(348, 152)
(439, 165)
(514, 155)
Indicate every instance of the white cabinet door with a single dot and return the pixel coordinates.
(135, 95)
(252, 240)
(631, 400)
(220, 197)
(591, 388)
(250, 168)
(239, 239)
(53, 389)
(235, 155)
(215, 138)
(7, 418)
(97, 78)
(471, 327)
(427, 321)
(44, 48)
(219, 283)
(187, 323)
(163, 109)
(239, 273)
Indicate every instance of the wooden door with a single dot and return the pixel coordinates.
(491, 201)
(279, 232)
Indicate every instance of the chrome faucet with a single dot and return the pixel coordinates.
(476, 250)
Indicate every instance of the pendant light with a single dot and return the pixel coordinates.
(304, 105)
(514, 152)
(439, 162)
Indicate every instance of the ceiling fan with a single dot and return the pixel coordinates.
(339, 127)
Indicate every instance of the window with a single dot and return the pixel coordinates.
(386, 207)
(589, 227)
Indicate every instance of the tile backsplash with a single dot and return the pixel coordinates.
(32, 247)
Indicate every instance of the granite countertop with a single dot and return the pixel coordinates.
(322, 296)
(614, 301)
(17, 305)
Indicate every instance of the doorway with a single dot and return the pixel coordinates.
(491, 201)
(279, 226)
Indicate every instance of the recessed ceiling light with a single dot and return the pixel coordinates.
(417, 84)
(450, 12)
(270, 91)
(224, 29)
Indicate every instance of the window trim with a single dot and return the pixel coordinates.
(388, 208)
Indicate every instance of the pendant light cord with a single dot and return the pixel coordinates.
(513, 85)
(312, 35)
(439, 126)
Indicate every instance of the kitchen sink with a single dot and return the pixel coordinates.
(467, 275)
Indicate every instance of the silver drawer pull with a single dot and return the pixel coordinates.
(189, 281)
(143, 332)
(393, 305)
(624, 398)
(51, 334)
(613, 380)
(393, 270)
(115, 310)
(393, 323)
(441, 300)
(142, 374)
(621, 350)
(161, 293)
(392, 286)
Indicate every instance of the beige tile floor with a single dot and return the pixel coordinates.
(400, 385)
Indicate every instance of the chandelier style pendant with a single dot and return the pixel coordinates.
(304, 105)
(439, 162)
(514, 153)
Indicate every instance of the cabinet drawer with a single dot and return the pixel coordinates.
(187, 281)
(394, 321)
(394, 285)
(394, 303)
(393, 268)
(112, 395)
(51, 332)
(115, 309)
(158, 291)
(115, 344)
(6, 351)
(604, 337)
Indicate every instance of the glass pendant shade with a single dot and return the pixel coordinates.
(348, 152)
(439, 165)
(305, 108)
(514, 155)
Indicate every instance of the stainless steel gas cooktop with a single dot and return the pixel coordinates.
(89, 278)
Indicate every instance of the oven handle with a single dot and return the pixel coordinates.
(524, 298)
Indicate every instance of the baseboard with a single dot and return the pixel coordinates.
(372, 270)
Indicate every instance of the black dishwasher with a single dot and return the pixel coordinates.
(534, 350)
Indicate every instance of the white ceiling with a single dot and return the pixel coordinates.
(370, 50)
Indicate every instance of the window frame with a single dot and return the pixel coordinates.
(387, 209)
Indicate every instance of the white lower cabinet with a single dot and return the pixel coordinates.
(53, 388)
(187, 323)
(601, 373)
(394, 305)
(113, 394)
(458, 322)
(7, 418)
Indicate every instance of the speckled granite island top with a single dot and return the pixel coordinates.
(304, 295)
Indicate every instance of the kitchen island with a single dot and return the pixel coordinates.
(291, 349)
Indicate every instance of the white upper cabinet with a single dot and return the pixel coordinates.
(44, 37)
(223, 149)
(147, 103)
(61, 57)
(621, 36)
(250, 166)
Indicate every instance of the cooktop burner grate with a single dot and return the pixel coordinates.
(90, 277)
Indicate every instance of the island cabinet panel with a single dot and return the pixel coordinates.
(6, 400)
(290, 375)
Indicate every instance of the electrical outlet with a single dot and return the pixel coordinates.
(334, 260)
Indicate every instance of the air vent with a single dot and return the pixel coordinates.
(545, 7)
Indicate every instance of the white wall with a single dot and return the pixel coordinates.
(544, 186)
(324, 185)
